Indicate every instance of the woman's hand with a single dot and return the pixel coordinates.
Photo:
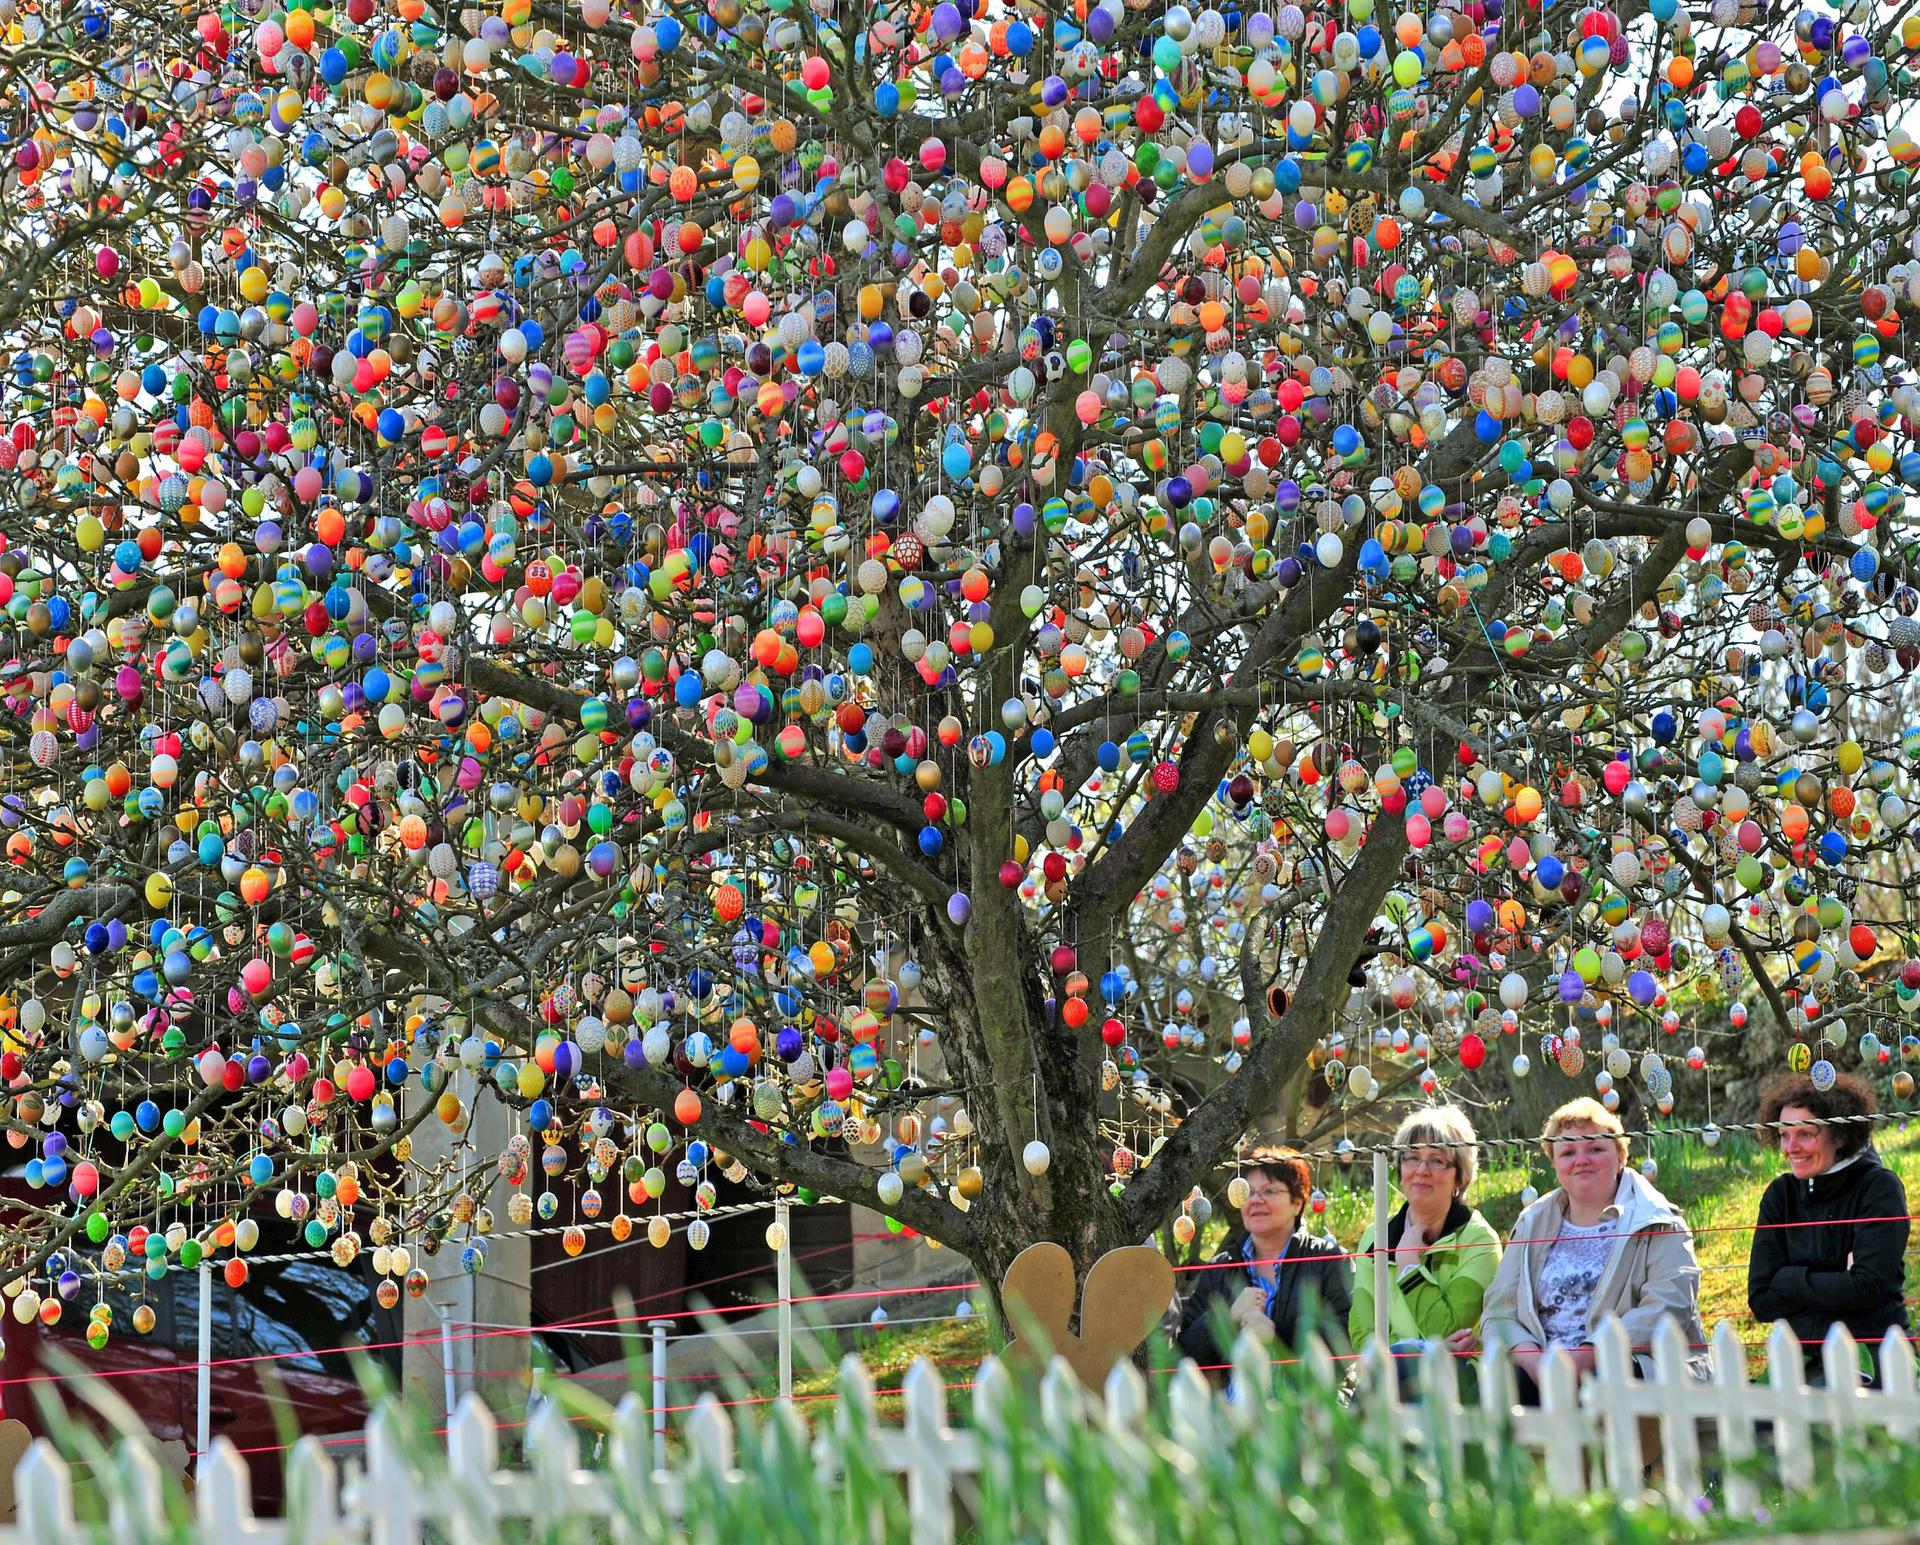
(1464, 1343)
(1251, 1304)
(1411, 1248)
(1528, 1360)
(1249, 1313)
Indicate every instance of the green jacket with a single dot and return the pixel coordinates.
(1441, 1294)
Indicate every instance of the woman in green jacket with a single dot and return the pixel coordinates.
(1443, 1252)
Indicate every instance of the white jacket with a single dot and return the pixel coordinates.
(1651, 1273)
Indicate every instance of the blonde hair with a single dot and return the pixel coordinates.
(1443, 1126)
(1584, 1112)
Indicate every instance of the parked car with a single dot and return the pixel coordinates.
(282, 1343)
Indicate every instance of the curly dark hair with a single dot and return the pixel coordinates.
(1849, 1096)
(1286, 1166)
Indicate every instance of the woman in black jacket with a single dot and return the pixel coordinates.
(1831, 1245)
(1273, 1274)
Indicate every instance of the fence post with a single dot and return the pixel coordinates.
(553, 1453)
(1844, 1399)
(1787, 1380)
(43, 1494)
(313, 1495)
(1382, 1216)
(1566, 1441)
(927, 1448)
(710, 1440)
(660, 1328)
(1733, 1418)
(203, 1424)
(473, 1442)
(783, 1269)
(223, 1499)
(1440, 1401)
(391, 1499)
(1679, 1426)
(448, 1388)
(1380, 1378)
(136, 1490)
(1618, 1404)
(627, 1461)
(1897, 1386)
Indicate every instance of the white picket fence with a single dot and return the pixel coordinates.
(1585, 1435)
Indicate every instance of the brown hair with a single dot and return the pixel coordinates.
(1288, 1167)
(1848, 1096)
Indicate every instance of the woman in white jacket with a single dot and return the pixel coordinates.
(1605, 1243)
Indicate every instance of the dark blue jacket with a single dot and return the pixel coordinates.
(1314, 1268)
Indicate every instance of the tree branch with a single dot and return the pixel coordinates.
(1199, 1143)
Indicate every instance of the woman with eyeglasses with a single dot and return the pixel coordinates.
(1444, 1254)
(1273, 1278)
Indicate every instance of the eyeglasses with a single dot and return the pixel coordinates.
(1268, 1193)
(1425, 1161)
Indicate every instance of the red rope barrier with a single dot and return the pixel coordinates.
(436, 1338)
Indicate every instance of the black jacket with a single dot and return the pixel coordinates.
(1314, 1266)
(1799, 1270)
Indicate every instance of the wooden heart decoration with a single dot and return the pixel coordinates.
(14, 1442)
(1126, 1294)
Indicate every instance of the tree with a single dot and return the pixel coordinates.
(768, 584)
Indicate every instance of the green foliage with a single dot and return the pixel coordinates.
(1297, 1466)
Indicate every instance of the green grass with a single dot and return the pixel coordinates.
(956, 1347)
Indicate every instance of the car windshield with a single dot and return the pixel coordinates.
(304, 1315)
